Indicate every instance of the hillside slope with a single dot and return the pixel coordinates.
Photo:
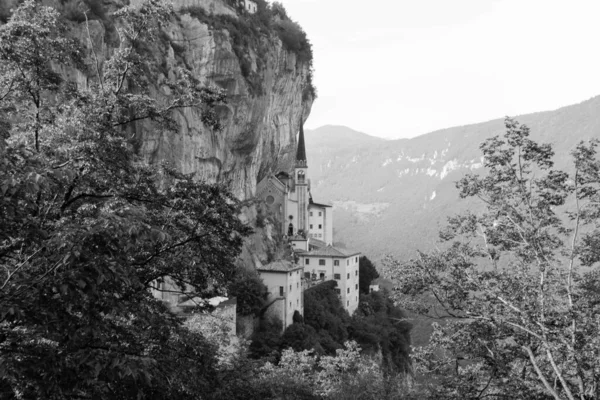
(391, 197)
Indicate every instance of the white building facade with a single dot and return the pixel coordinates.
(284, 285)
(341, 265)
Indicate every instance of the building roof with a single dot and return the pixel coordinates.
(280, 266)
(316, 242)
(312, 203)
(331, 251)
(301, 150)
(282, 175)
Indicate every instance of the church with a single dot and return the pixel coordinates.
(308, 226)
(305, 223)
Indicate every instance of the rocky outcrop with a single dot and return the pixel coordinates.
(259, 133)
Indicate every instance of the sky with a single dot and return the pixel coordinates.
(402, 68)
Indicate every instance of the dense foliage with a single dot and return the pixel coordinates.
(367, 273)
(87, 229)
(380, 328)
(517, 284)
(249, 290)
(344, 375)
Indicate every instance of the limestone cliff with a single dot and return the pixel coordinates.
(259, 126)
(259, 131)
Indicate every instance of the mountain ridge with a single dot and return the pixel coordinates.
(392, 196)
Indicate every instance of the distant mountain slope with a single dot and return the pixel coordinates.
(391, 197)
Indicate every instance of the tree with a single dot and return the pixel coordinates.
(249, 290)
(324, 311)
(367, 272)
(518, 284)
(300, 336)
(382, 328)
(344, 375)
(87, 229)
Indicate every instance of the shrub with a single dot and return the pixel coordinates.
(294, 39)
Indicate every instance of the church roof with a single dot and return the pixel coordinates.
(313, 203)
(280, 266)
(301, 150)
(282, 175)
(331, 251)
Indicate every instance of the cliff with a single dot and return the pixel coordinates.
(266, 93)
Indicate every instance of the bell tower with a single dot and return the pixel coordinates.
(300, 170)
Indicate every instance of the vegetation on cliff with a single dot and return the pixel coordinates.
(517, 285)
(251, 35)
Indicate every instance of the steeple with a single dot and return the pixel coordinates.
(301, 151)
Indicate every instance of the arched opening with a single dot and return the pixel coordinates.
(291, 229)
(300, 176)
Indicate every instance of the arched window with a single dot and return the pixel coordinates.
(291, 229)
(301, 176)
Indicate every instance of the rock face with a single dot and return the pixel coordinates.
(259, 133)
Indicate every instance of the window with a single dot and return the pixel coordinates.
(290, 288)
(270, 200)
(347, 262)
(297, 302)
(319, 213)
(311, 226)
(311, 213)
(356, 286)
(281, 290)
(290, 274)
(338, 291)
(356, 273)
(348, 290)
(298, 285)
(298, 272)
(356, 259)
(290, 304)
(336, 263)
(348, 303)
(321, 274)
(307, 275)
(321, 262)
(336, 276)
(319, 235)
(320, 226)
(348, 275)
(307, 261)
